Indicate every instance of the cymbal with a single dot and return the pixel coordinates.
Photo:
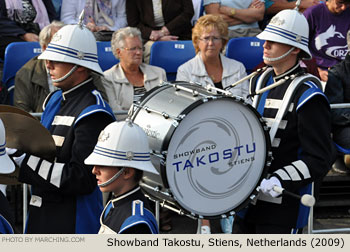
(28, 135)
(12, 109)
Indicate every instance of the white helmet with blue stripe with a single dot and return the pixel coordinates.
(122, 144)
(7, 166)
(289, 27)
(73, 44)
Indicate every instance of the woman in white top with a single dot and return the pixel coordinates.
(209, 66)
(127, 81)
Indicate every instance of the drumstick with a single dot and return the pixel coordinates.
(245, 78)
(306, 199)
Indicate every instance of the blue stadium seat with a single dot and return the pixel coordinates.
(16, 55)
(248, 50)
(105, 56)
(169, 55)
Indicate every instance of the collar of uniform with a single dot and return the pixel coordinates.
(125, 195)
(295, 69)
(71, 91)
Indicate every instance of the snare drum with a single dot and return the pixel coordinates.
(211, 150)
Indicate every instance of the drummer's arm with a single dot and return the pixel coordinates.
(316, 154)
(73, 177)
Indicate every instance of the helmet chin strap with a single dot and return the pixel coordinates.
(280, 57)
(66, 75)
(112, 179)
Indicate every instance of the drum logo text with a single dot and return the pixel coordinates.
(202, 160)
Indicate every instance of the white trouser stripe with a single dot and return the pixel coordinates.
(292, 172)
(63, 120)
(57, 174)
(33, 162)
(44, 169)
(302, 168)
(283, 175)
(59, 140)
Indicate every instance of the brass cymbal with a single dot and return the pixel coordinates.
(28, 135)
(12, 109)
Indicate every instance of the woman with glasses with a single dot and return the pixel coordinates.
(210, 66)
(127, 81)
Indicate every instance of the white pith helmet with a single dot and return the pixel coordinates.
(73, 44)
(288, 27)
(122, 144)
(6, 164)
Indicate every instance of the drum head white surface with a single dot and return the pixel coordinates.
(216, 157)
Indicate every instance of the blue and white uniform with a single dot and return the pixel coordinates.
(6, 216)
(301, 149)
(128, 213)
(65, 197)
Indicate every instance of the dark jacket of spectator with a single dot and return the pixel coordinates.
(177, 17)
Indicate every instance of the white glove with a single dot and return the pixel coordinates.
(266, 186)
(17, 159)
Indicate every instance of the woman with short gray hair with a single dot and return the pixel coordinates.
(127, 81)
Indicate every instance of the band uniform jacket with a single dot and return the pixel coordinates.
(65, 197)
(6, 216)
(302, 149)
(128, 213)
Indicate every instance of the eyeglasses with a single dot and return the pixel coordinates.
(134, 49)
(211, 38)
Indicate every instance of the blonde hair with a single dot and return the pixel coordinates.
(208, 23)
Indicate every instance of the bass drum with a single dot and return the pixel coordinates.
(211, 150)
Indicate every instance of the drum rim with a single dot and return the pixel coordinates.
(166, 141)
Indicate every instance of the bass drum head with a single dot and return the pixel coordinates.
(216, 157)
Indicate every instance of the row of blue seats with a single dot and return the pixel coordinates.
(166, 54)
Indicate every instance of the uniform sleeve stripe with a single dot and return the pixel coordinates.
(33, 162)
(57, 174)
(302, 168)
(63, 120)
(292, 172)
(44, 169)
(276, 142)
(283, 175)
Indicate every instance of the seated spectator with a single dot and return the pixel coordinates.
(209, 66)
(328, 25)
(160, 20)
(127, 81)
(338, 91)
(32, 81)
(242, 16)
(272, 7)
(102, 17)
(22, 20)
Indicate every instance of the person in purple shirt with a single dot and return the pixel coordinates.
(328, 25)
